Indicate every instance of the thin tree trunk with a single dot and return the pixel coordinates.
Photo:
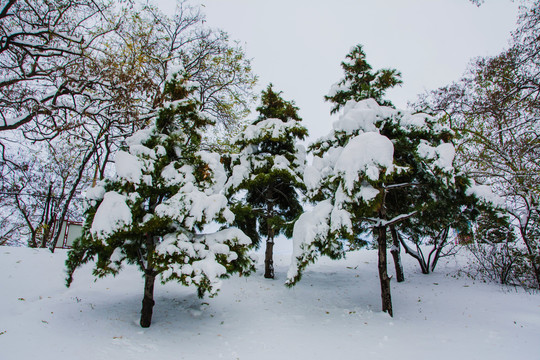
(45, 219)
(74, 188)
(268, 259)
(383, 273)
(396, 254)
(269, 253)
(148, 299)
(437, 249)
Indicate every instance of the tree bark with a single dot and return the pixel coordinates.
(383, 273)
(396, 254)
(268, 260)
(269, 253)
(148, 299)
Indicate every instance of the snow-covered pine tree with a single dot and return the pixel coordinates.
(360, 82)
(376, 169)
(267, 173)
(153, 212)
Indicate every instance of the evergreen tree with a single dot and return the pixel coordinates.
(380, 169)
(267, 172)
(153, 212)
(360, 82)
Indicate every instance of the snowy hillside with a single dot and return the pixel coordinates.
(334, 312)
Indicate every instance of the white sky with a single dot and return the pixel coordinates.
(298, 44)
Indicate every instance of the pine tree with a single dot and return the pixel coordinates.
(267, 173)
(380, 169)
(153, 212)
(360, 82)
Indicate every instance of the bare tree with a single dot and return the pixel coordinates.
(496, 106)
(84, 74)
(42, 49)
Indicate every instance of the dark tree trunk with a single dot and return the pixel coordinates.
(148, 299)
(269, 253)
(383, 273)
(268, 259)
(396, 254)
(45, 219)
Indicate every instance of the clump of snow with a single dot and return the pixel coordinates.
(368, 192)
(321, 167)
(485, 193)
(239, 174)
(301, 157)
(366, 153)
(312, 175)
(174, 176)
(112, 215)
(95, 193)
(140, 136)
(446, 152)
(214, 164)
(310, 226)
(141, 150)
(412, 121)
(360, 116)
(273, 128)
(443, 154)
(128, 167)
(338, 87)
(173, 70)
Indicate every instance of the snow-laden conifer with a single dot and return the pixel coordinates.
(154, 211)
(380, 169)
(267, 173)
(360, 82)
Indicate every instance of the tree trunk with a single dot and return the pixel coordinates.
(383, 273)
(396, 254)
(269, 253)
(269, 256)
(148, 299)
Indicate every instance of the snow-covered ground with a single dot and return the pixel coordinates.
(333, 313)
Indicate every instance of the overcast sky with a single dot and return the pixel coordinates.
(298, 44)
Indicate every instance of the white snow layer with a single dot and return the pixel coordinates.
(334, 312)
(112, 214)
